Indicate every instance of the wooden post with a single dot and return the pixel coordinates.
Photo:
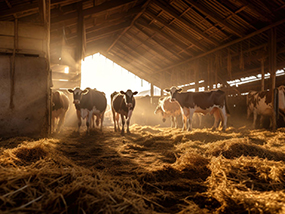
(12, 69)
(80, 29)
(262, 74)
(196, 70)
(151, 92)
(272, 69)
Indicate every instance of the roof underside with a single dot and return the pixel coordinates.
(162, 41)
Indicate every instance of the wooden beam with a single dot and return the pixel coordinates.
(215, 17)
(159, 42)
(226, 45)
(106, 31)
(176, 31)
(191, 26)
(144, 42)
(109, 5)
(42, 11)
(133, 21)
(174, 41)
(272, 70)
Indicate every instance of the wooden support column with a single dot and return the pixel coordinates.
(196, 70)
(12, 68)
(44, 14)
(272, 69)
(80, 39)
(262, 73)
(151, 92)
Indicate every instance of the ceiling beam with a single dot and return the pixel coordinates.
(191, 26)
(177, 32)
(215, 17)
(226, 45)
(180, 45)
(133, 21)
(158, 41)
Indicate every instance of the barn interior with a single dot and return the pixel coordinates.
(235, 45)
(192, 44)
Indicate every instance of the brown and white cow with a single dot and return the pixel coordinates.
(169, 109)
(123, 104)
(60, 105)
(200, 102)
(260, 103)
(89, 102)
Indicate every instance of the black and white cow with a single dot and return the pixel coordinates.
(60, 105)
(89, 102)
(201, 102)
(123, 104)
(260, 103)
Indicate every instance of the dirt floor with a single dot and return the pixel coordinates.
(152, 170)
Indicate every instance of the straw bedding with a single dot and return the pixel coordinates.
(152, 170)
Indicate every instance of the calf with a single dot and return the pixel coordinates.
(60, 105)
(123, 104)
(200, 102)
(89, 102)
(260, 103)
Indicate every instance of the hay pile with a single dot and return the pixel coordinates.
(36, 178)
(152, 170)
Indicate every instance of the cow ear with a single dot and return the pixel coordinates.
(167, 90)
(134, 93)
(85, 91)
(179, 90)
(70, 90)
(122, 92)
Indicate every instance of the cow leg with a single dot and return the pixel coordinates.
(175, 122)
(172, 121)
(78, 119)
(114, 119)
(60, 122)
(88, 120)
(254, 119)
(102, 119)
(123, 124)
(128, 120)
(217, 116)
(184, 120)
(118, 122)
(224, 117)
(189, 120)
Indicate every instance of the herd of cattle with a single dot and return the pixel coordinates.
(91, 104)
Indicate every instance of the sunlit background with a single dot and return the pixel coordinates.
(99, 72)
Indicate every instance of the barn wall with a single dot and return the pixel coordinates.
(30, 113)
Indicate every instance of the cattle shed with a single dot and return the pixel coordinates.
(165, 42)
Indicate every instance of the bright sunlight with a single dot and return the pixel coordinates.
(99, 72)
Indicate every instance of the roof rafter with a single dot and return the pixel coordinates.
(191, 26)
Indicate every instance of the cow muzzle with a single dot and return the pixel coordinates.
(76, 102)
(129, 105)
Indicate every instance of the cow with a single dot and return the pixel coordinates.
(260, 103)
(168, 109)
(123, 104)
(89, 102)
(201, 102)
(60, 105)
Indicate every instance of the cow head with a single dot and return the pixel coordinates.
(77, 94)
(173, 92)
(129, 97)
